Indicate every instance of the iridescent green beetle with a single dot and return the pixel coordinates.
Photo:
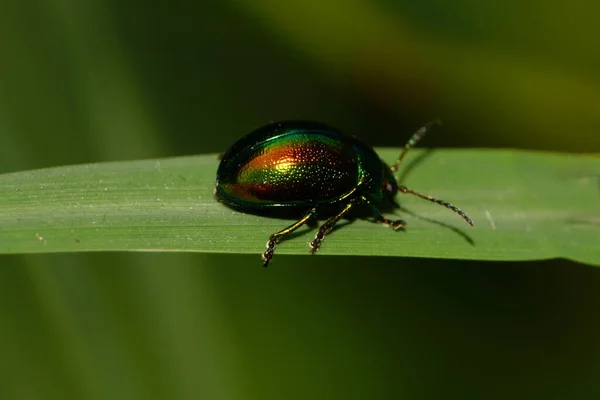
(310, 170)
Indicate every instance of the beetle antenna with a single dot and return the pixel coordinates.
(414, 139)
(452, 207)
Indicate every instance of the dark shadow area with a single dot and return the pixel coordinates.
(454, 229)
(477, 330)
(589, 220)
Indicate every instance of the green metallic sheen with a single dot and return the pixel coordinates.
(296, 166)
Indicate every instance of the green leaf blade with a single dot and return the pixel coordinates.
(525, 205)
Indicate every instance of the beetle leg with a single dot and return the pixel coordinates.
(328, 226)
(275, 238)
(397, 224)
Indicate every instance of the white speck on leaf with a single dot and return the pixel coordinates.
(490, 220)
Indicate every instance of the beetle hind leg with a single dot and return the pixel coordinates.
(275, 238)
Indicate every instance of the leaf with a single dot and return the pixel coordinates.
(525, 205)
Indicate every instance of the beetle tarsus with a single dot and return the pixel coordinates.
(315, 244)
(267, 256)
(397, 224)
(400, 223)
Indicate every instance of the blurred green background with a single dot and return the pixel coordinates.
(103, 80)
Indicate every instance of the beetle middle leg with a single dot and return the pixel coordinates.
(397, 224)
(275, 238)
(328, 226)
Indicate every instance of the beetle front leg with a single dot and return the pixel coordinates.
(328, 226)
(275, 238)
(397, 224)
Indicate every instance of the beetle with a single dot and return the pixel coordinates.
(311, 170)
